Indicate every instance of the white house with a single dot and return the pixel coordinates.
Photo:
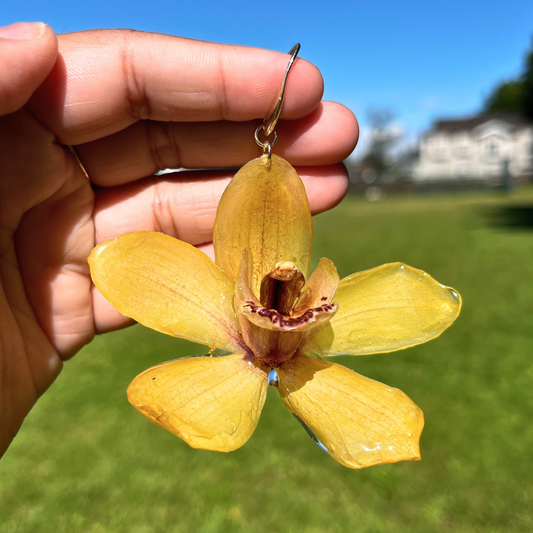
(477, 148)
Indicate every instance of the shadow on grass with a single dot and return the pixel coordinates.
(512, 217)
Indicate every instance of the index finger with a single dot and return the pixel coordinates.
(105, 80)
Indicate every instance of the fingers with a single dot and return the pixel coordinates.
(28, 52)
(326, 136)
(183, 205)
(107, 80)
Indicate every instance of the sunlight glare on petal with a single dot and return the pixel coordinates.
(359, 421)
(387, 308)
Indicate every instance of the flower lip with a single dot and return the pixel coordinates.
(302, 319)
(273, 320)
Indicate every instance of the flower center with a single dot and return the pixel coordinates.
(281, 287)
(275, 326)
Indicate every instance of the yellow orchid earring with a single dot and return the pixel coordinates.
(267, 322)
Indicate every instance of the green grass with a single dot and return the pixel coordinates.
(86, 461)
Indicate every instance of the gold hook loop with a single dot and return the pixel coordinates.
(261, 143)
(270, 123)
(267, 145)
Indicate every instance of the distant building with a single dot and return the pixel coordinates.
(481, 149)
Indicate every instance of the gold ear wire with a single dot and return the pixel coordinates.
(75, 154)
(269, 124)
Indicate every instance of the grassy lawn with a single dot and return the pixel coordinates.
(86, 461)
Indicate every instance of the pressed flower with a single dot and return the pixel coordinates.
(267, 321)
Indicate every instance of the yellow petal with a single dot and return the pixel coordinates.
(212, 403)
(243, 282)
(169, 286)
(385, 309)
(360, 422)
(320, 287)
(264, 209)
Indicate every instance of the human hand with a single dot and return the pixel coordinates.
(132, 103)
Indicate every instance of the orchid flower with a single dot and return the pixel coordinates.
(267, 321)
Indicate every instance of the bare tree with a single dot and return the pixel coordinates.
(384, 135)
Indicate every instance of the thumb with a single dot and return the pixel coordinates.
(28, 51)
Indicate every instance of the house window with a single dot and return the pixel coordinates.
(493, 148)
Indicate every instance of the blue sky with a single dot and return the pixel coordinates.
(420, 59)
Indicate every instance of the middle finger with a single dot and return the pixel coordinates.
(326, 136)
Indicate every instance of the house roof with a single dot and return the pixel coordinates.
(452, 126)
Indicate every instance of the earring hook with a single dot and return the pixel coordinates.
(269, 124)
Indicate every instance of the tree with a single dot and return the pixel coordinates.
(528, 85)
(384, 134)
(507, 96)
(514, 95)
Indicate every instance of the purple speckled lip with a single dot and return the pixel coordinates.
(288, 322)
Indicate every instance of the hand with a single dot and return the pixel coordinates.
(132, 103)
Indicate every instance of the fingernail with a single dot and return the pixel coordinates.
(23, 30)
